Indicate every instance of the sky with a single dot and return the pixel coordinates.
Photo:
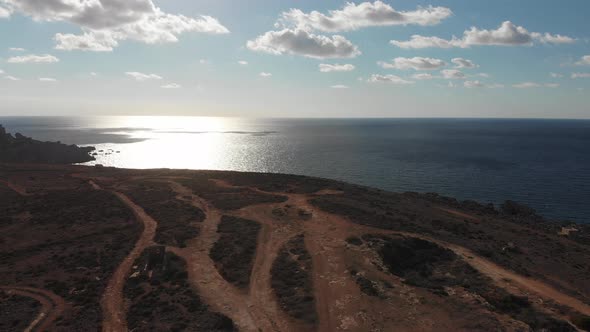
(263, 58)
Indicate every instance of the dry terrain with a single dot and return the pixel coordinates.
(93, 248)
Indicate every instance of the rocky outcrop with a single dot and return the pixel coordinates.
(21, 149)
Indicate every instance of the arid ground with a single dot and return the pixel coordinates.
(93, 248)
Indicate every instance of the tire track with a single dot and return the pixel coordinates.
(52, 306)
(112, 301)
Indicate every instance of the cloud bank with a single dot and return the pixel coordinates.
(366, 14)
(415, 63)
(105, 23)
(327, 68)
(584, 61)
(507, 34)
(453, 74)
(463, 63)
(580, 75)
(32, 58)
(391, 79)
(530, 85)
(303, 43)
(142, 77)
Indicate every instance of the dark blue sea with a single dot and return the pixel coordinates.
(542, 163)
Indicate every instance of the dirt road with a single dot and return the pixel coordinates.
(112, 302)
(336, 293)
(52, 306)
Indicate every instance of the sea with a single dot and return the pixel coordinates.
(542, 163)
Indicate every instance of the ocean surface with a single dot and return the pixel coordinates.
(542, 163)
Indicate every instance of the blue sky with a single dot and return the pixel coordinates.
(507, 59)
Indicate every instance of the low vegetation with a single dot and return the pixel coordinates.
(79, 239)
(177, 220)
(426, 265)
(292, 281)
(509, 237)
(229, 198)
(17, 312)
(162, 300)
(234, 251)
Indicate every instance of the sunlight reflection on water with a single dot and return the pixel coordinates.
(189, 142)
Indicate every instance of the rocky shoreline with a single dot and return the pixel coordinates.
(22, 149)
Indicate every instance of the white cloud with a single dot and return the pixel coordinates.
(203, 61)
(416, 63)
(423, 76)
(530, 85)
(171, 86)
(392, 79)
(11, 78)
(96, 41)
(527, 85)
(32, 58)
(584, 61)
(301, 42)
(507, 34)
(453, 74)
(4, 13)
(93, 73)
(365, 14)
(142, 77)
(479, 84)
(484, 75)
(16, 49)
(1, 71)
(548, 38)
(47, 79)
(580, 75)
(243, 63)
(473, 84)
(104, 23)
(464, 63)
(556, 75)
(339, 86)
(418, 41)
(264, 74)
(326, 67)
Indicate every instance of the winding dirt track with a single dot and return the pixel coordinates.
(256, 309)
(326, 232)
(18, 189)
(251, 310)
(52, 306)
(112, 301)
